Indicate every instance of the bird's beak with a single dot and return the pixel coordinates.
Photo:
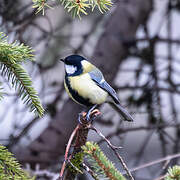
(62, 60)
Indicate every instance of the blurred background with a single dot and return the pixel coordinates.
(135, 44)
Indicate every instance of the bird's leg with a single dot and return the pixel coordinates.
(81, 115)
(93, 113)
(89, 112)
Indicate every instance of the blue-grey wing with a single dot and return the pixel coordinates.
(98, 77)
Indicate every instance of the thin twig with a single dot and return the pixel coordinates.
(140, 128)
(170, 157)
(67, 151)
(161, 177)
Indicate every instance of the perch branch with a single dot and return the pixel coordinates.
(80, 135)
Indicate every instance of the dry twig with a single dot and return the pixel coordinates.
(167, 158)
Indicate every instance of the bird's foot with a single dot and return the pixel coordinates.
(81, 117)
(88, 114)
(90, 111)
(91, 115)
(87, 117)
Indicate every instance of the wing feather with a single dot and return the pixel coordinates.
(98, 77)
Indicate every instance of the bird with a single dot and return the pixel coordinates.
(86, 85)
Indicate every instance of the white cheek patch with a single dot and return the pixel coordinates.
(70, 69)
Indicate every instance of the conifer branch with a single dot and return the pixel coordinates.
(76, 7)
(100, 163)
(40, 5)
(114, 148)
(173, 173)
(11, 57)
(9, 167)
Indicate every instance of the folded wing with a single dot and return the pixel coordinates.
(98, 77)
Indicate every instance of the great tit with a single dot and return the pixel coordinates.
(86, 85)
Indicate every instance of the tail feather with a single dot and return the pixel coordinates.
(122, 111)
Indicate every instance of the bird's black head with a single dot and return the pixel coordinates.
(73, 65)
(73, 59)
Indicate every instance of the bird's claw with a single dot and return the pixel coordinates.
(86, 117)
(81, 117)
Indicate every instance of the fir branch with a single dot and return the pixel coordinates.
(11, 57)
(76, 7)
(103, 5)
(40, 5)
(9, 167)
(114, 148)
(14, 52)
(173, 173)
(100, 163)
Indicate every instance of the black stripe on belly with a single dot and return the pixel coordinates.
(75, 94)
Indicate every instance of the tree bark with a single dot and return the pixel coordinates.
(109, 52)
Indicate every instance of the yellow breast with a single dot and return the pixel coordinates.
(88, 89)
(67, 90)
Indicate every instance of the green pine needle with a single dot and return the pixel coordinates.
(9, 167)
(99, 162)
(14, 52)
(173, 173)
(40, 5)
(76, 7)
(11, 57)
